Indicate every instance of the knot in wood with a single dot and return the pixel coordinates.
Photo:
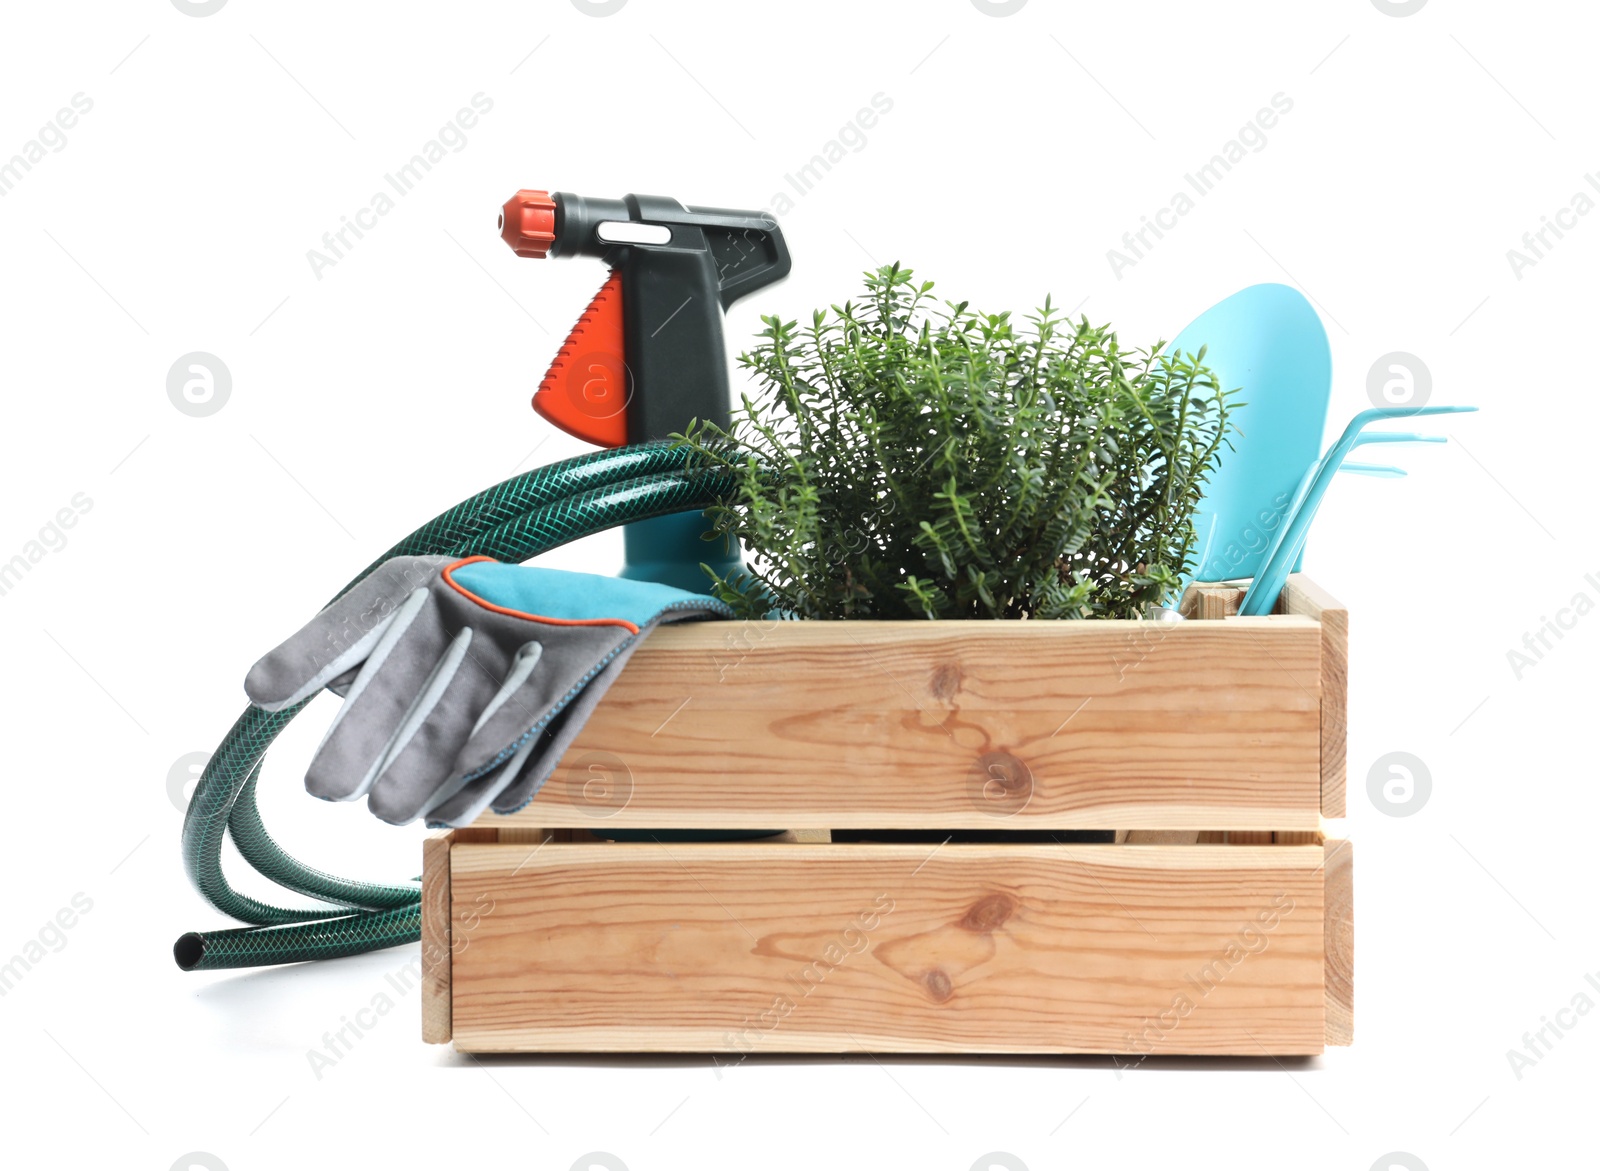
(937, 982)
(989, 913)
(1001, 784)
(946, 680)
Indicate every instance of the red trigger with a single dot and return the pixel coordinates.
(587, 388)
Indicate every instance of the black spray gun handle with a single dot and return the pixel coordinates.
(649, 353)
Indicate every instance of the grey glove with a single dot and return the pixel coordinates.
(464, 681)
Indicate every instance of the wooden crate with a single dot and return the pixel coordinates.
(934, 891)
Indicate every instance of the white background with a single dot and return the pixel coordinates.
(1019, 149)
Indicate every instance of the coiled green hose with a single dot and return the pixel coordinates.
(512, 521)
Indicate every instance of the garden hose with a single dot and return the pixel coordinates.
(513, 521)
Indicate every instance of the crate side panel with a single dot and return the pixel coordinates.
(1110, 725)
(735, 948)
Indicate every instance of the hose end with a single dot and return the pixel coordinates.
(189, 950)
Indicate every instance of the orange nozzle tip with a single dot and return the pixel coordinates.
(528, 223)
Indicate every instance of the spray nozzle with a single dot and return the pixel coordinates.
(647, 354)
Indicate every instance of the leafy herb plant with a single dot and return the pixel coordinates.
(906, 458)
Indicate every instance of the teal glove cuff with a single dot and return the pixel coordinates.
(557, 596)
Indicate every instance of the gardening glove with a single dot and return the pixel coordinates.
(464, 681)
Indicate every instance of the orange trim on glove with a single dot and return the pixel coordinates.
(488, 605)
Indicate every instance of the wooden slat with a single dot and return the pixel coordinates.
(812, 836)
(529, 835)
(1085, 725)
(1299, 837)
(1339, 942)
(1209, 603)
(1160, 837)
(955, 948)
(572, 834)
(1305, 597)
(436, 939)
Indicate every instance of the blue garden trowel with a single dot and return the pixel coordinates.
(1268, 341)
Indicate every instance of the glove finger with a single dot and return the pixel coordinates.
(468, 803)
(523, 664)
(563, 728)
(568, 659)
(417, 770)
(536, 723)
(338, 638)
(374, 713)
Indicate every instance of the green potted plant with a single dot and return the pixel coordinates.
(912, 459)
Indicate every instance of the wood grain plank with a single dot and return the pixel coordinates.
(1088, 725)
(436, 939)
(735, 948)
(1303, 596)
(1339, 979)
